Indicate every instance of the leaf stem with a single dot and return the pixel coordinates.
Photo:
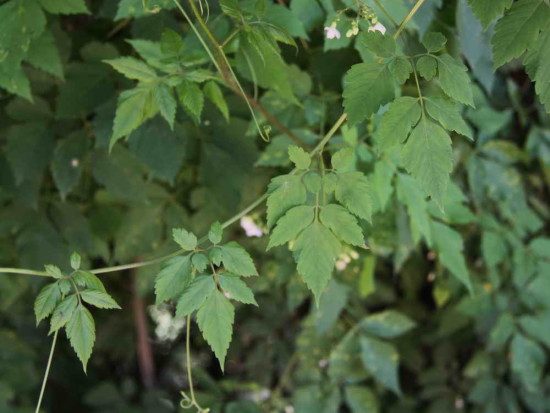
(23, 271)
(46, 373)
(408, 17)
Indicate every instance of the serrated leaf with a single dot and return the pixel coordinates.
(63, 313)
(299, 157)
(537, 63)
(446, 112)
(414, 197)
(174, 276)
(215, 233)
(75, 261)
(427, 67)
(332, 303)
(46, 301)
(133, 68)
(454, 80)
(518, 29)
(43, 54)
(387, 324)
(53, 271)
(381, 360)
(396, 124)
(434, 41)
(237, 288)
(89, 280)
(191, 97)
(213, 92)
(166, 103)
(195, 294)
(353, 191)
(487, 11)
(99, 299)
(401, 69)
(380, 44)
(81, 334)
(428, 156)
(185, 239)
(286, 191)
(200, 261)
(342, 224)
(316, 250)
(215, 319)
(343, 160)
(312, 181)
(171, 43)
(237, 260)
(65, 6)
(367, 86)
(291, 224)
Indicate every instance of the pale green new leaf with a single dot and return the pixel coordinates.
(63, 313)
(299, 157)
(353, 191)
(173, 278)
(192, 98)
(215, 233)
(133, 69)
(342, 224)
(99, 299)
(237, 260)
(428, 156)
(237, 288)
(427, 67)
(215, 319)
(446, 112)
(213, 92)
(286, 191)
(185, 239)
(454, 80)
(387, 324)
(195, 295)
(382, 361)
(166, 103)
(367, 86)
(46, 301)
(53, 271)
(518, 29)
(291, 224)
(397, 122)
(200, 261)
(316, 250)
(488, 10)
(81, 334)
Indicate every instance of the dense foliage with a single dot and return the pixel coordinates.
(388, 162)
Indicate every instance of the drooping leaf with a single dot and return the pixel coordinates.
(454, 80)
(173, 278)
(192, 98)
(286, 191)
(46, 301)
(81, 334)
(291, 224)
(342, 224)
(195, 295)
(213, 92)
(353, 192)
(99, 299)
(396, 124)
(445, 111)
(166, 103)
(63, 312)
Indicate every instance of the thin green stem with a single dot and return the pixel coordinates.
(46, 373)
(188, 358)
(407, 18)
(418, 87)
(23, 271)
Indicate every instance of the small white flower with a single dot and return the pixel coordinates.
(332, 33)
(250, 227)
(378, 27)
(74, 162)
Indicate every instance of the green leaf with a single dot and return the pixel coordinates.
(450, 248)
(46, 301)
(331, 304)
(185, 239)
(381, 359)
(387, 324)
(200, 261)
(493, 248)
(89, 280)
(133, 69)
(215, 233)
(215, 319)
(135, 106)
(81, 334)
(361, 400)
(164, 99)
(75, 261)
(237, 288)
(401, 69)
(236, 260)
(445, 111)
(367, 86)
(343, 160)
(378, 43)
(396, 124)
(195, 295)
(65, 6)
(43, 54)
(528, 360)
(134, 8)
(174, 276)
(192, 99)
(518, 29)
(537, 63)
(291, 224)
(427, 67)
(171, 43)
(67, 162)
(342, 224)
(410, 194)
(316, 250)
(286, 191)
(53, 271)
(454, 80)
(213, 92)
(540, 246)
(299, 157)
(63, 312)
(487, 11)
(353, 191)
(99, 299)
(428, 156)
(434, 41)
(312, 181)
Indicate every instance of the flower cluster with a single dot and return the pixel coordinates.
(365, 13)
